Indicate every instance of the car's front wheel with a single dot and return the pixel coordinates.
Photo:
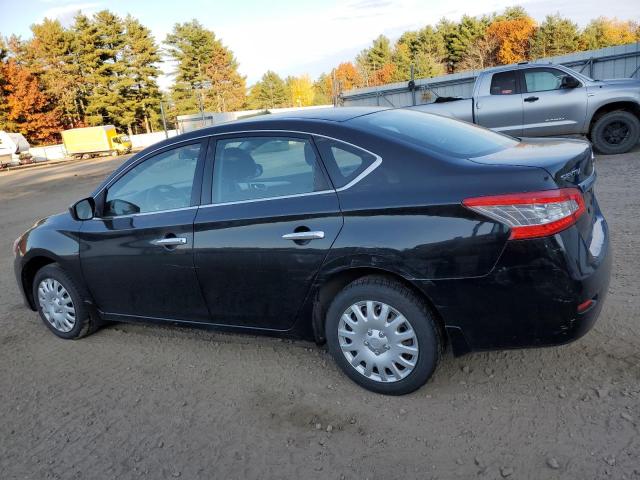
(383, 336)
(60, 303)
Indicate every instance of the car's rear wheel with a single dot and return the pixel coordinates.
(615, 132)
(383, 336)
(60, 303)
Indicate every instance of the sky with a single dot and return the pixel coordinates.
(294, 37)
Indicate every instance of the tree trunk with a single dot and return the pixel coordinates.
(146, 124)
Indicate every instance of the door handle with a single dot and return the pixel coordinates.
(313, 235)
(169, 241)
(531, 99)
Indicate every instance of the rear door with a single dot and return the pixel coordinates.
(549, 109)
(500, 106)
(268, 219)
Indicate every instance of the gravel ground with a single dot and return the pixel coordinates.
(163, 402)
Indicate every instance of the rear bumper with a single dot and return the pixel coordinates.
(531, 296)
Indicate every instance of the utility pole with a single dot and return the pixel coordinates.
(164, 119)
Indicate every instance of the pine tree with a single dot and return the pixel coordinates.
(468, 31)
(140, 56)
(374, 59)
(192, 46)
(269, 92)
(228, 90)
(555, 36)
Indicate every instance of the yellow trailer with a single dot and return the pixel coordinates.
(93, 141)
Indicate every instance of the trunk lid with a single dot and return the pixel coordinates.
(568, 161)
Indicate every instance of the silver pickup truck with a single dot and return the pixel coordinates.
(539, 100)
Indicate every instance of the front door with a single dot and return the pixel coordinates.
(548, 108)
(137, 254)
(271, 220)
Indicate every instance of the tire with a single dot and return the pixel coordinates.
(83, 324)
(381, 349)
(607, 131)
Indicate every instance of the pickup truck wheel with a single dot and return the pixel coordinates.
(615, 132)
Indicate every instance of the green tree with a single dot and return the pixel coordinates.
(140, 56)
(372, 60)
(206, 65)
(424, 49)
(468, 31)
(555, 36)
(448, 31)
(269, 92)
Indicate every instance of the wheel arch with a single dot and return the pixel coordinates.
(624, 105)
(331, 284)
(28, 274)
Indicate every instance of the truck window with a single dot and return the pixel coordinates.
(503, 83)
(542, 79)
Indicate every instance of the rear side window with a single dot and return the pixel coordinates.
(434, 132)
(503, 83)
(344, 162)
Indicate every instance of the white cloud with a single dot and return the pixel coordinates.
(314, 39)
(66, 13)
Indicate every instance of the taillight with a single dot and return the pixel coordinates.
(532, 214)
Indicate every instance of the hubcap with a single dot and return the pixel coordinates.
(378, 341)
(616, 132)
(56, 305)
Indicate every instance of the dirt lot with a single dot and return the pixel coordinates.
(154, 402)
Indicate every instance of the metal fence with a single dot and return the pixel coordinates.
(613, 62)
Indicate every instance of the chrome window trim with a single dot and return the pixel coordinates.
(363, 174)
(195, 207)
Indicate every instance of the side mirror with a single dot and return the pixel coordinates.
(569, 82)
(84, 209)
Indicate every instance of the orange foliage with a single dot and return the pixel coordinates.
(347, 76)
(513, 38)
(27, 107)
(383, 75)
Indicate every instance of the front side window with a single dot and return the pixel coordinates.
(162, 182)
(265, 167)
(343, 161)
(541, 80)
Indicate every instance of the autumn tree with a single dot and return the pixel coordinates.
(228, 89)
(300, 90)
(513, 37)
(480, 54)
(555, 36)
(322, 90)
(27, 108)
(607, 32)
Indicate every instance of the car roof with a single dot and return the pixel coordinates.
(332, 114)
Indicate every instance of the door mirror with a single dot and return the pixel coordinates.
(569, 82)
(83, 209)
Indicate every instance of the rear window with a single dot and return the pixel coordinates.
(503, 83)
(434, 132)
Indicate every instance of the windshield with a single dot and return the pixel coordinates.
(434, 132)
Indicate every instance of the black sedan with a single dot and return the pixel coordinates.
(388, 234)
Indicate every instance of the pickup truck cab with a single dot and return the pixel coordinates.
(538, 100)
